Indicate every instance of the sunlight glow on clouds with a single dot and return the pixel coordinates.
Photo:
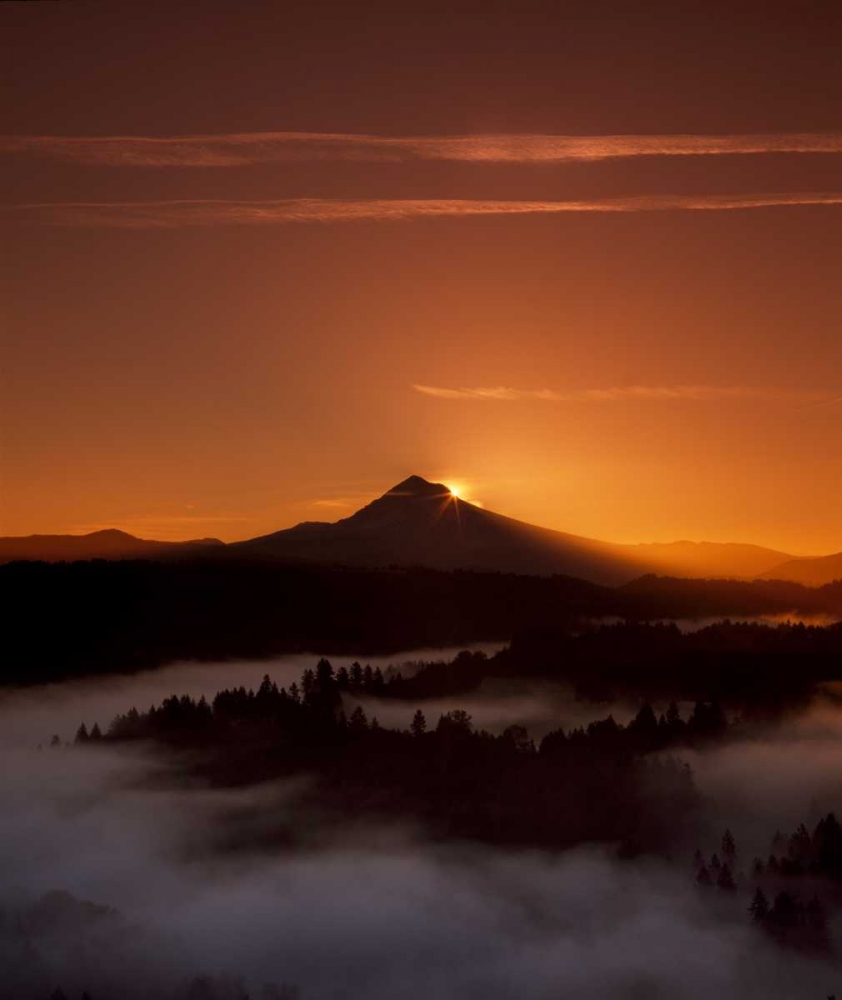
(699, 393)
(240, 149)
(172, 214)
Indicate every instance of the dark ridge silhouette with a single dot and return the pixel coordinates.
(70, 619)
(107, 544)
(748, 667)
(418, 523)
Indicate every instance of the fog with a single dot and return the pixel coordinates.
(379, 915)
(367, 912)
(539, 705)
(33, 715)
(788, 774)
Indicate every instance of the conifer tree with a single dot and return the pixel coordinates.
(419, 723)
(759, 908)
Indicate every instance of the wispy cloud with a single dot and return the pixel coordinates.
(615, 394)
(246, 148)
(173, 214)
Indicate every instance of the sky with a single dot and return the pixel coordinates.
(581, 260)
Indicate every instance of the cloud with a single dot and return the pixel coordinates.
(246, 148)
(207, 212)
(614, 394)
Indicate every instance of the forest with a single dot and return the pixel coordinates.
(74, 619)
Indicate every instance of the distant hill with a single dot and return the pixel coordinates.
(729, 560)
(814, 572)
(421, 523)
(107, 544)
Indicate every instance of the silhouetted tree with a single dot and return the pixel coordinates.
(419, 723)
(827, 846)
(725, 878)
(457, 721)
(358, 723)
(82, 734)
(518, 737)
(759, 908)
(784, 913)
(800, 846)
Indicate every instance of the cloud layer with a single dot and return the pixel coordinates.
(699, 393)
(209, 212)
(246, 148)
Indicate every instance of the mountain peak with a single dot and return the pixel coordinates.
(417, 486)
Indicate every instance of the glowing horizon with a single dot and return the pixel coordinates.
(599, 291)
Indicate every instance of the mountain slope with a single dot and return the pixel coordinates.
(710, 559)
(422, 523)
(107, 544)
(815, 572)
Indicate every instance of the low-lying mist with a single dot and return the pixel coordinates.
(540, 705)
(162, 887)
(380, 914)
(33, 715)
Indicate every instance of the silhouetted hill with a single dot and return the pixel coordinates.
(68, 619)
(418, 523)
(107, 544)
(814, 572)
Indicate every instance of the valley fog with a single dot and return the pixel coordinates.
(116, 827)
(33, 715)
(395, 915)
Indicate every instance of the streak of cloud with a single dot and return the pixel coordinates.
(180, 213)
(246, 148)
(615, 394)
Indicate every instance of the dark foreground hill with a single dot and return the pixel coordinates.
(67, 619)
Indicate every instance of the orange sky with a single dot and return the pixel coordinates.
(226, 336)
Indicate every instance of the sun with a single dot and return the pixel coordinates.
(455, 491)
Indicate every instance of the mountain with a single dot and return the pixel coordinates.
(815, 572)
(107, 544)
(422, 523)
(419, 523)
